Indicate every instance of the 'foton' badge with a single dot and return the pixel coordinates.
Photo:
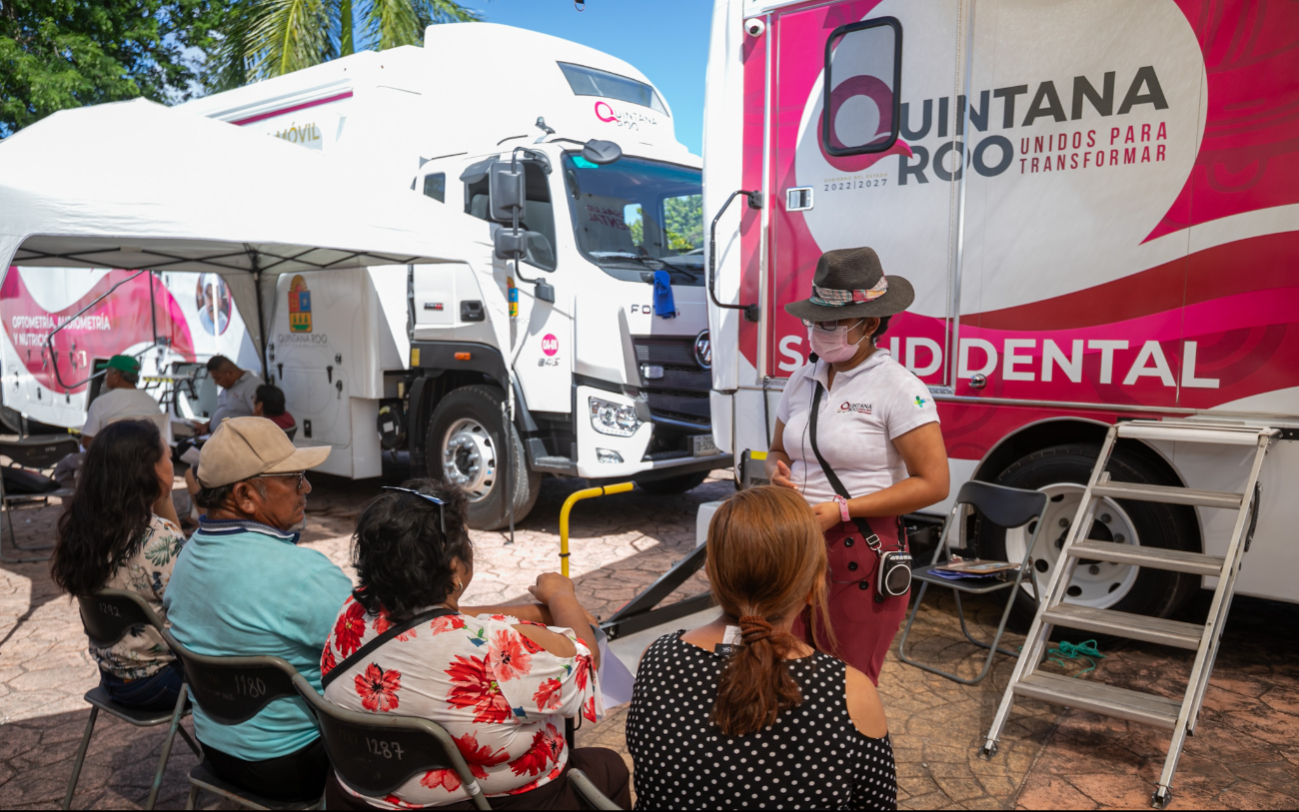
(299, 306)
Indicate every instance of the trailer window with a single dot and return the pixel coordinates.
(591, 82)
(538, 212)
(435, 186)
(863, 87)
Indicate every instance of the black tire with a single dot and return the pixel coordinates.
(482, 406)
(674, 484)
(1157, 593)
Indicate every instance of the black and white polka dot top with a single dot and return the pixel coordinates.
(812, 757)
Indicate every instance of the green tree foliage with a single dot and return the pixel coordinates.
(684, 221)
(265, 38)
(57, 54)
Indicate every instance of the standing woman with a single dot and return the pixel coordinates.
(875, 427)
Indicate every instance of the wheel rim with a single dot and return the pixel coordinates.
(469, 458)
(1098, 584)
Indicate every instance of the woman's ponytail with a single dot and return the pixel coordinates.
(755, 686)
(766, 556)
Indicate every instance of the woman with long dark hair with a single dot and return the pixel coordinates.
(741, 713)
(111, 538)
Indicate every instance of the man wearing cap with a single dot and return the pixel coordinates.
(857, 434)
(243, 587)
(120, 400)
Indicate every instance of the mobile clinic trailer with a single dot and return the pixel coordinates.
(137, 212)
(1098, 204)
(602, 386)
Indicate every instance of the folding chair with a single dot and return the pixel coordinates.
(374, 754)
(37, 452)
(1005, 507)
(107, 616)
(231, 690)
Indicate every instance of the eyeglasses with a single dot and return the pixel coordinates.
(442, 515)
(301, 475)
(830, 326)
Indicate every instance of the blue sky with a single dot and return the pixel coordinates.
(667, 40)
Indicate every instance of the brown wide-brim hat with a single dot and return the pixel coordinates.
(850, 284)
(244, 447)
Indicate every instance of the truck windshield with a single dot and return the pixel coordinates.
(634, 217)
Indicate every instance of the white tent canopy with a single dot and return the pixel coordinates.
(135, 185)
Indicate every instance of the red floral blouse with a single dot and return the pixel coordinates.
(501, 697)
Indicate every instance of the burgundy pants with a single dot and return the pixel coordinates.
(863, 626)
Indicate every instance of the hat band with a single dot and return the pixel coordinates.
(832, 297)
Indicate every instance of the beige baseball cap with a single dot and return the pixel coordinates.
(244, 447)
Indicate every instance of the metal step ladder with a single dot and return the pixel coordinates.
(1178, 715)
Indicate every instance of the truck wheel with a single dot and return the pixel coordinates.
(674, 484)
(1062, 472)
(464, 448)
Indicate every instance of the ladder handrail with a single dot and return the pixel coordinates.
(1212, 634)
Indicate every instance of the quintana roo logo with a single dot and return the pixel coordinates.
(299, 306)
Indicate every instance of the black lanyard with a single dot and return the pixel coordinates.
(364, 651)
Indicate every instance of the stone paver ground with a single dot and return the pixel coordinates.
(1244, 754)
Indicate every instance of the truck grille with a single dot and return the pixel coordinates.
(682, 392)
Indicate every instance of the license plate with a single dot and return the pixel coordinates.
(703, 445)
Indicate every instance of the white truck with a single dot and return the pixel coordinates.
(425, 358)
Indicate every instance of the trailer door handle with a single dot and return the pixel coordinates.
(798, 199)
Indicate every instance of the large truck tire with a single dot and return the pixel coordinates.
(1062, 472)
(464, 448)
(670, 486)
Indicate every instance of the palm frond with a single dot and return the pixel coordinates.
(393, 22)
(294, 34)
(235, 56)
(432, 12)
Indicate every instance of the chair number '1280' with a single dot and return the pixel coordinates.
(383, 748)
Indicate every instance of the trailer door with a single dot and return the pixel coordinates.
(1083, 132)
(900, 201)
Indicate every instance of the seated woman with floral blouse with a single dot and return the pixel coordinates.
(500, 679)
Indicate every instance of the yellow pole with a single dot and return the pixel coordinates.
(588, 493)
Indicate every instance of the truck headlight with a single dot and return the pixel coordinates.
(614, 418)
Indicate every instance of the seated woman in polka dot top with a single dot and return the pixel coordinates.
(741, 714)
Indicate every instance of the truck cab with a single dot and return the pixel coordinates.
(598, 377)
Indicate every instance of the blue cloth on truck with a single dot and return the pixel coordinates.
(664, 304)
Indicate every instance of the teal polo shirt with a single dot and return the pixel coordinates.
(240, 588)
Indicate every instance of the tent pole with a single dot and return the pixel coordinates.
(261, 311)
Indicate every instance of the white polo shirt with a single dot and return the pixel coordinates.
(868, 407)
(121, 404)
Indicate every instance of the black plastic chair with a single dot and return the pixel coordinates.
(107, 616)
(374, 755)
(231, 690)
(1005, 507)
(37, 453)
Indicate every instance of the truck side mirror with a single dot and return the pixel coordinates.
(601, 153)
(506, 191)
(510, 244)
(529, 246)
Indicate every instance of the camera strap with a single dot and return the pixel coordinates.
(368, 648)
(862, 524)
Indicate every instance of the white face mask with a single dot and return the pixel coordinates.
(833, 345)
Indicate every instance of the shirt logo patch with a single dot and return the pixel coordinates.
(859, 408)
(920, 402)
